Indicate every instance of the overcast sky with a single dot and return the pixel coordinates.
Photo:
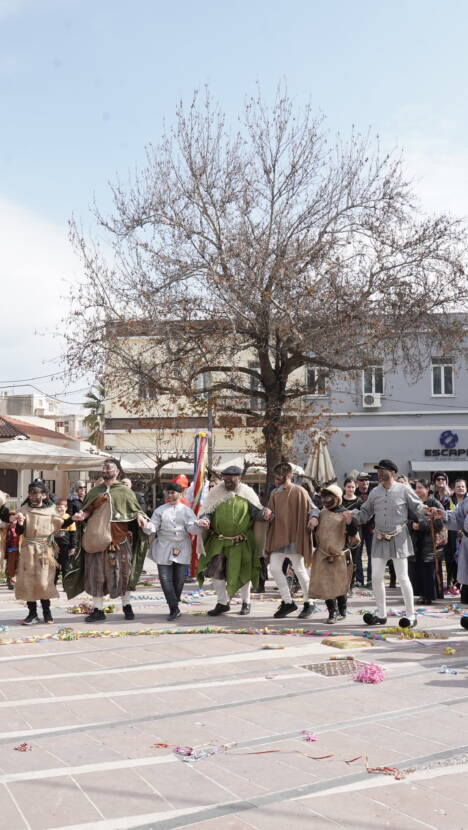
(85, 84)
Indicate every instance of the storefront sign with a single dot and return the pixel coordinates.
(448, 440)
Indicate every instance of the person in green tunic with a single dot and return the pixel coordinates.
(112, 548)
(231, 552)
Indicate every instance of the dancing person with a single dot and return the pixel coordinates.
(332, 564)
(35, 578)
(293, 518)
(230, 554)
(390, 503)
(112, 547)
(171, 550)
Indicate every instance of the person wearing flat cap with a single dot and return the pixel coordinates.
(173, 522)
(390, 504)
(230, 554)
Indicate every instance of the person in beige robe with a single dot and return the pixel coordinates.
(332, 565)
(37, 564)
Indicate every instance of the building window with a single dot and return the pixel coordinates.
(255, 385)
(316, 381)
(202, 384)
(373, 380)
(147, 389)
(442, 376)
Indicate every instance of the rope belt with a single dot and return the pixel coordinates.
(384, 536)
(36, 539)
(235, 539)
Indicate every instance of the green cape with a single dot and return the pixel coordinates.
(124, 509)
(232, 518)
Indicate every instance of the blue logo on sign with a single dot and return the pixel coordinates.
(448, 439)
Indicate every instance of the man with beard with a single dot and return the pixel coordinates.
(231, 553)
(35, 579)
(289, 537)
(113, 547)
(390, 503)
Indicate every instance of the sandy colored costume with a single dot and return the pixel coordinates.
(37, 563)
(290, 505)
(332, 564)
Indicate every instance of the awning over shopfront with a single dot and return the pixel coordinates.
(448, 465)
(24, 454)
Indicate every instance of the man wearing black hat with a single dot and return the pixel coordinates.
(390, 504)
(231, 553)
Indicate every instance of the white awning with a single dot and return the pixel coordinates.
(24, 454)
(448, 465)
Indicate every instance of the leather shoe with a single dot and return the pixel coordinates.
(174, 615)
(245, 609)
(285, 609)
(218, 609)
(372, 619)
(96, 616)
(307, 611)
(128, 612)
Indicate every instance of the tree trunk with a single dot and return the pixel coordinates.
(273, 434)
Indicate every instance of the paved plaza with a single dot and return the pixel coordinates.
(94, 710)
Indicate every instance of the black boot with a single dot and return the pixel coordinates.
(342, 606)
(307, 611)
(372, 619)
(96, 615)
(46, 613)
(332, 612)
(284, 609)
(32, 618)
(128, 612)
(219, 609)
(245, 610)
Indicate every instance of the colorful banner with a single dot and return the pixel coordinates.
(200, 458)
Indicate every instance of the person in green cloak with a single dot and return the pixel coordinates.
(111, 512)
(231, 553)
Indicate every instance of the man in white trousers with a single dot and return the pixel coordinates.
(390, 504)
(293, 518)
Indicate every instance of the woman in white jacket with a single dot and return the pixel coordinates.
(171, 549)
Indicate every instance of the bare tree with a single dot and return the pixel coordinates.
(245, 257)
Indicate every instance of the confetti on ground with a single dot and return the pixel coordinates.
(272, 646)
(309, 736)
(23, 747)
(87, 607)
(448, 650)
(67, 633)
(369, 673)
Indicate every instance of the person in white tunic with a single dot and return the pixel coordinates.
(391, 504)
(171, 549)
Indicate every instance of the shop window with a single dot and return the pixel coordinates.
(442, 376)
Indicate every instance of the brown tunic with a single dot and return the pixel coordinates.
(108, 571)
(332, 568)
(289, 525)
(37, 564)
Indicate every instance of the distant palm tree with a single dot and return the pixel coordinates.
(94, 420)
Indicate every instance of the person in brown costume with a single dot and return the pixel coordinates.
(332, 565)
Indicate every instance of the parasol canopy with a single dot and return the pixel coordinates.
(319, 467)
(25, 454)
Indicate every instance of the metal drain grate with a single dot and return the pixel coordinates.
(334, 668)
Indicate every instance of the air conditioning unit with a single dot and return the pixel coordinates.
(372, 400)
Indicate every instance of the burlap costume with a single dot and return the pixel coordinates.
(332, 563)
(37, 564)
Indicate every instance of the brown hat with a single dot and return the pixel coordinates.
(333, 488)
